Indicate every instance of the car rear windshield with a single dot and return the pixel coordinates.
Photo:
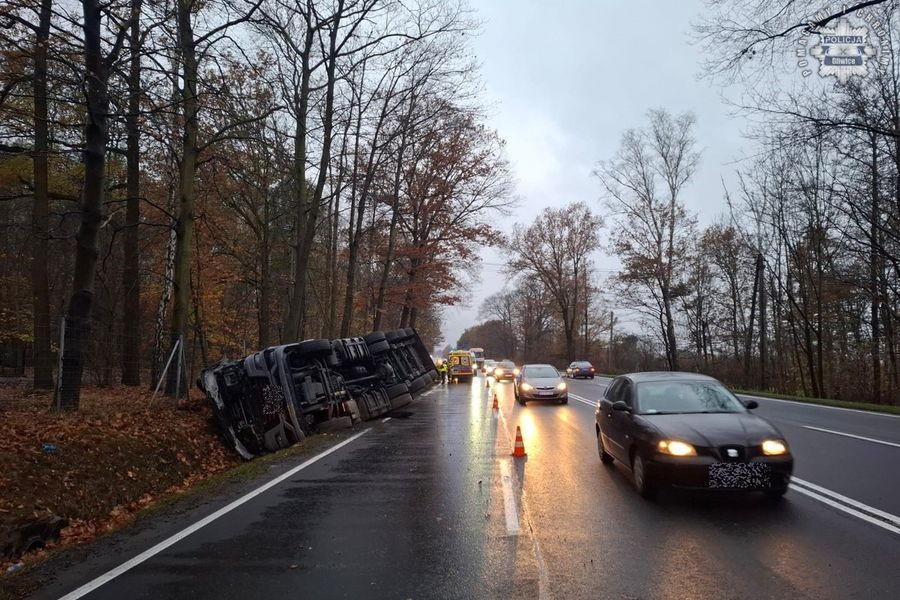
(507, 364)
(673, 397)
(582, 364)
(541, 372)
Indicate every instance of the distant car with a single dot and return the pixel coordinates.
(541, 382)
(580, 368)
(506, 370)
(489, 366)
(687, 430)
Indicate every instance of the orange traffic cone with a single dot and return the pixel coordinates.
(519, 450)
(496, 405)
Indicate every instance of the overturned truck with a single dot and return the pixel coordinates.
(277, 396)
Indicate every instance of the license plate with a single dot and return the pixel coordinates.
(545, 393)
(739, 475)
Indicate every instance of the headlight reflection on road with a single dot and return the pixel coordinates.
(528, 423)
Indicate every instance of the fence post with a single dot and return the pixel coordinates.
(162, 377)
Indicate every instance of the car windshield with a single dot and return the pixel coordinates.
(582, 364)
(540, 372)
(507, 364)
(672, 397)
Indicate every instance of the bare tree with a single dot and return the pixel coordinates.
(653, 231)
(556, 250)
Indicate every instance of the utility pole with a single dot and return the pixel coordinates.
(612, 319)
(760, 274)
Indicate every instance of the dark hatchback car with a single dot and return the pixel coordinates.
(687, 430)
(580, 368)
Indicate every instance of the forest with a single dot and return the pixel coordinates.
(792, 287)
(185, 180)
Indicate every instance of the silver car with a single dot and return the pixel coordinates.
(541, 382)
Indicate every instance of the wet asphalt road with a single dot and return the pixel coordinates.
(429, 505)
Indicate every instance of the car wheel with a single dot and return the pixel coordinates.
(605, 457)
(592, 376)
(640, 476)
(564, 400)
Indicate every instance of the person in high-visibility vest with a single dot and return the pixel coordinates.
(444, 369)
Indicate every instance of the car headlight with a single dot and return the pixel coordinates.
(516, 372)
(561, 385)
(774, 447)
(526, 387)
(498, 372)
(676, 448)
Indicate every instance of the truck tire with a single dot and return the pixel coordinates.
(398, 389)
(401, 400)
(416, 385)
(374, 337)
(379, 347)
(314, 347)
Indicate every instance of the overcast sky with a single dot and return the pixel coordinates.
(564, 79)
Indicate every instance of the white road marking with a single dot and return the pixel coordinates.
(844, 508)
(543, 578)
(850, 435)
(153, 551)
(509, 500)
(871, 510)
(386, 419)
(582, 400)
(814, 405)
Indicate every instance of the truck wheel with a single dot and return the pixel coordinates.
(398, 389)
(314, 347)
(379, 347)
(374, 337)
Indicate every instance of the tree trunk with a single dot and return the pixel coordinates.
(40, 212)
(291, 330)
(131, 284)
(184, 226)
(670, 331)
(265, 284)
(392, 234)
(78, 316)
(875, 278)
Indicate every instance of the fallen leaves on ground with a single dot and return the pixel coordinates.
(98, 466)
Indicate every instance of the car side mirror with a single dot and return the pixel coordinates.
(751, 404)
(620, 405)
